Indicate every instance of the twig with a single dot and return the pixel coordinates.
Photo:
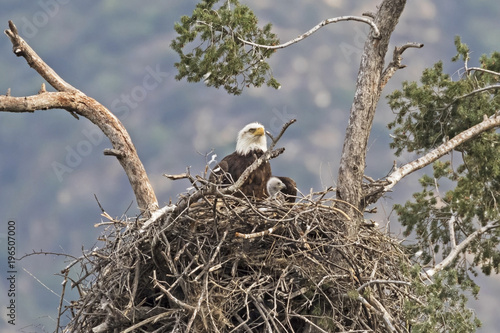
(479, 69)
(43, 284)
(256, 234)
(99, 204)
(48, 253)
(309, 322)
(71, 99)
(460, 247)
(212, 258)
(176, 177)
(201, 298)
(389, 321)
(376, 32)
(364, 285)
(146, 321)
(480, 90)
(59, 308)
(395, 64)
(283, 129)
(171, 297)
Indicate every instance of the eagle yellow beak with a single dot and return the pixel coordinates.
(259, 131)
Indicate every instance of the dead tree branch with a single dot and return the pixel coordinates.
(22, 49)
(405, 170)
(76, 102)
(457, 249)
(369, 86)
(395, 64)
(484, 70)
(480, 90)
(376, 32)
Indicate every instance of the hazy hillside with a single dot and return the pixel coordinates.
(107, 48)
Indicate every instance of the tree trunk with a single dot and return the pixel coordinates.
(368, 89)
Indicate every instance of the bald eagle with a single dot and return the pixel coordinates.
(250, 145)
(274, 186)
(285, 185)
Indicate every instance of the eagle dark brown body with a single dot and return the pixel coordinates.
(232, 166)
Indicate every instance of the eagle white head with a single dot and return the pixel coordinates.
(274, 186)
(251, 137)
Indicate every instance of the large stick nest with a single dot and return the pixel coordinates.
(226, 264)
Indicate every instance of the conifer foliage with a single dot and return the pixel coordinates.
(430, 113)
(211, 47)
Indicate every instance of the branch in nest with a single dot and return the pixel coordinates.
(157, 214)
(170, 296)
(256, 234)
(274, 141)
(187, 175)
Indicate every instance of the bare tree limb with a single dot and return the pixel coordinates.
(283, 129)
(363, 286)
(22, 49)
(362, 112)
(492, 87)
(400, 173)
(386, 316)
(460, 247)
(479, 69)
(395, 64)
(376, 32)
(60, 310)
(77, 103)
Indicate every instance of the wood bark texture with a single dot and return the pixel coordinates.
(368, 90)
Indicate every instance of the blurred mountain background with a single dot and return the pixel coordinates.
(51, 165)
